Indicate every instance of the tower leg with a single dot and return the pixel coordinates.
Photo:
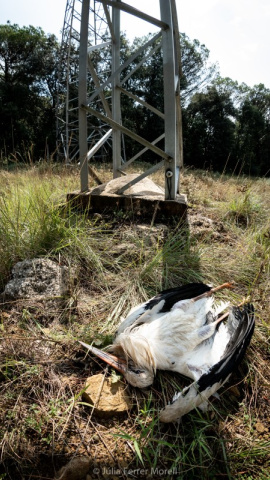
(83, 95)
(116, 95)
(169, 74)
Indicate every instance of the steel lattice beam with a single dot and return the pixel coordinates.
(99, 92)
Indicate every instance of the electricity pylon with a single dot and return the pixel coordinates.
(92, 98)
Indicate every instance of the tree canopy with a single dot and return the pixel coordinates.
(226, 125)
(28, 65)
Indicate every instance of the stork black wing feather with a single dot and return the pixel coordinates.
(235, 349)
(240, 326)
(174, 295)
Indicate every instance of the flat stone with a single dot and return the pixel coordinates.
(144, 188)
(108, 396)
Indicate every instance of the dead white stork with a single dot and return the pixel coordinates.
(180, 330)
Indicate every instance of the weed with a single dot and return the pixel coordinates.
(244, 210)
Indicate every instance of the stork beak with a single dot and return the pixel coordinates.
(118, 363)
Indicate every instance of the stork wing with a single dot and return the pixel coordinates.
(174, 295)
(241, 326)
(162, 303)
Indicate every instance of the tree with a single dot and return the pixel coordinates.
(28, 64)
(251, 152)
(224, 123)
(253, 139)
(209, 129)
(197, 73)
(147, 83)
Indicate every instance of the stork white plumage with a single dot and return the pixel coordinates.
(180, 330)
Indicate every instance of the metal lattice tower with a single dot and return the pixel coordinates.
(68, 116)
(89, 112)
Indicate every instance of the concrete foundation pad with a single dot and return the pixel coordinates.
(139, 206)
(144, 199)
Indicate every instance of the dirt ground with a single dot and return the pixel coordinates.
(46, 425)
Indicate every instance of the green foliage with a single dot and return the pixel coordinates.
(197, 73)
(31, 223)
(226, 125)
(209, 129)
(29, 226)
(245, 210)
(253, 138)
(28, 65)
(147, 83)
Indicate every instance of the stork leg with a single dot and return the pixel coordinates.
(213, 290)
(226, 314)
(208, 330)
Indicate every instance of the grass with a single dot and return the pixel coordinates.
(116, 262)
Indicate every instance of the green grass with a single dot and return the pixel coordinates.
(115, 263)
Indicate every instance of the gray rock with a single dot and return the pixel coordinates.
(40, 277)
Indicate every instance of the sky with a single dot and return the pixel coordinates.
(235, 31)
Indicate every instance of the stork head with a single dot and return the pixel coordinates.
(136, 376)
